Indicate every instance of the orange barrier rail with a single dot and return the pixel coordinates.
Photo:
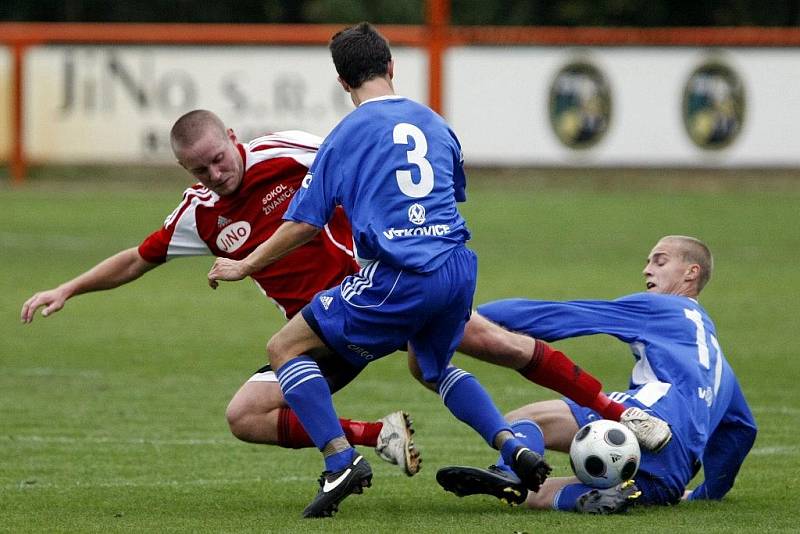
(435, 36)
(582, 36)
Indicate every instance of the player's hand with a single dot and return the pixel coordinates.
(53, 300)
(227, 270)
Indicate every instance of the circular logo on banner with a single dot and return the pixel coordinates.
(713, 105)
(580, 105)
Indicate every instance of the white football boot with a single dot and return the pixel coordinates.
(395, 444)
(651, 432)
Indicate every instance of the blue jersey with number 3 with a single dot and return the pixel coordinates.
(397, 169)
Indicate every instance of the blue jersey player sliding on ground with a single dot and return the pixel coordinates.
(396, 168)
(680, 375)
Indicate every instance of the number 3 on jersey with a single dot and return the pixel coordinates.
(415, 156)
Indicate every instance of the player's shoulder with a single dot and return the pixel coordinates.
(285, 146)
(387, 109)
(643, 299)
(660, 301)
(198, 192)
(194, 197)
(285, 139)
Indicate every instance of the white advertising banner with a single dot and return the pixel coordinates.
(618, 106)
(531, 106)
(87, 104)
(5, 103)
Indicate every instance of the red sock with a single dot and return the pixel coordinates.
(292, 435)
(361, 432)
(554, 370)
(608, 408)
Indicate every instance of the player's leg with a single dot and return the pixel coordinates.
(307, 392)
(531, 423)
(499, 480)
(257, 413)
(253, 412)
(552, 369)
(305, 388)
(568, 494)
(447, 305)
(556, 421)
(366, 318)
(416, 372)
(537, 362)
(490, 342)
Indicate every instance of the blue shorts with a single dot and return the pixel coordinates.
(661, 476)
(381, 308)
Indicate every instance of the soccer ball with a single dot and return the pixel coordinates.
(604, 453)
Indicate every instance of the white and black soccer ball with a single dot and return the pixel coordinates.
(604, 453)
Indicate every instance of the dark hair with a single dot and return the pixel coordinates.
(360, 53)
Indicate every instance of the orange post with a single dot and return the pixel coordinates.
(438, 19)
(18, 163)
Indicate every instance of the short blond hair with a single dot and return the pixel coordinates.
(191, 126)
(695, 251)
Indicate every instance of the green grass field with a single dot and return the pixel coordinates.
(112, 411)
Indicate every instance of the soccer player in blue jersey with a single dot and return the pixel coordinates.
(397, 170)
(680, 375)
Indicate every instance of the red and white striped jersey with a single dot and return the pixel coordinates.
(232, 226)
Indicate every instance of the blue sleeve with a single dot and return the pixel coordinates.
(726, 449)
(624, 318)
(317, 198)
(459, 176)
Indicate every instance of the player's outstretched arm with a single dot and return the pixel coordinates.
(726, 449)
(112, 272)
(286, 238)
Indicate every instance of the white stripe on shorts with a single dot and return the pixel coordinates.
(268, 376)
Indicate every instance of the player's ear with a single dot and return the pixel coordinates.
(343, 83)
(232, 135)
(390, 69)
(692, 272)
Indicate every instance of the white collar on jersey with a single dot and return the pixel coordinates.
(384, 97)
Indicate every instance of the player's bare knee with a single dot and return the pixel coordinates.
(277, 351)
(248, 420)
(236, 416)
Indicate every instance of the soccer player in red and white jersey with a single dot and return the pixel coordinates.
(243, 191)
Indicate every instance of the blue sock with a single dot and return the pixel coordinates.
(339, 460)
(567, 497)
(307, 393)
(469, 402)
(531, 436)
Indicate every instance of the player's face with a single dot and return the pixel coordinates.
(665, 271)
(215, 161)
